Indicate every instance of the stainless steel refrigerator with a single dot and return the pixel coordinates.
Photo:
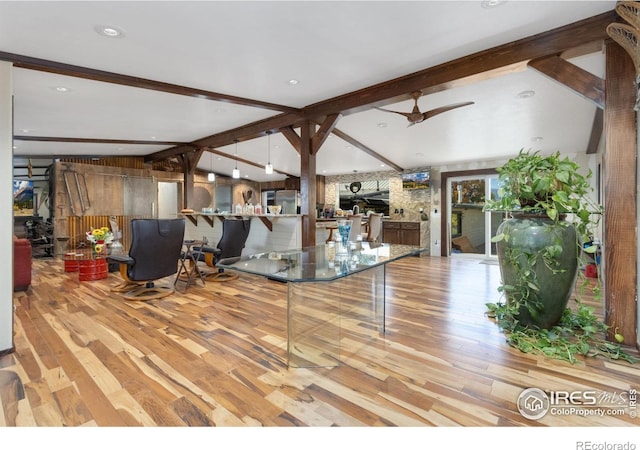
(288, 200)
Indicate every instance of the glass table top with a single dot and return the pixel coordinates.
(320, 263)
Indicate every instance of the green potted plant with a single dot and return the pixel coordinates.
(541, 247)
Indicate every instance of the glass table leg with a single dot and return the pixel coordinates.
(330, 320)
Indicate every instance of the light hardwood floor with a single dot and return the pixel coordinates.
(215, 355)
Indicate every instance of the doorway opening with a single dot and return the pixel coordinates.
(467, 228)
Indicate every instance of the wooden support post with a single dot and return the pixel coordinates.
(308, 184)
(189, 164)
(619, 163)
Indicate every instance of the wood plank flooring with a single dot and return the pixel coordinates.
(215, 355)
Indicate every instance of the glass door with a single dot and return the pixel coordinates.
(470, 228)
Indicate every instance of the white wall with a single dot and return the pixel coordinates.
(6, 204)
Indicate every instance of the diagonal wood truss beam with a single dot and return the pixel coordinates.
(290, 135)
(244, 161)
(367, 150)
(582, 83)
(575, 78)
(323, 132)
(596, 132)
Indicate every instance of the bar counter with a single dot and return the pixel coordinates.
(269, 232)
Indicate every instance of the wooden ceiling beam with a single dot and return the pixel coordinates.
(344, 136)
(244, 161)
(43, 65)
(243, 133)
(507, 58)
(469, 69)
(575, 78)
(94, 140)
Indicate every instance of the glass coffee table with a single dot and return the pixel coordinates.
(335, 296)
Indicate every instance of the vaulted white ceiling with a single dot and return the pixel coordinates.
(253, 49)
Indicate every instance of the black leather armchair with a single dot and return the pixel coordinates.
(234, 237)
(154, 254)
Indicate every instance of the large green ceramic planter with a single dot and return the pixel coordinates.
(526, 238)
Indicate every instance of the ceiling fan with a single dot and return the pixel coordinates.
(416, 116)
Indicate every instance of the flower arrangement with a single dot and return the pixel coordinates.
(99, 237)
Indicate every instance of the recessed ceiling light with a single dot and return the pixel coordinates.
(293, 81)
(382, 125)
(15, 147)
(108, 31)
(381, 165)
(526, 94)
(62, 89)
(492, 3)
(24, 130)
(537, 139)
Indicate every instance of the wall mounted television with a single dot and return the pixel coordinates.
(416, 180)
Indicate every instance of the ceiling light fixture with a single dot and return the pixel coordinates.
(526, 94)
(211, 177)
(293, 81)
(492, 3)
(268, 169)
(108, 31)
(236, 172)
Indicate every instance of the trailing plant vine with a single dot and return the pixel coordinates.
(552, 187)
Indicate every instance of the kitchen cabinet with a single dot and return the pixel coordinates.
(396, 232)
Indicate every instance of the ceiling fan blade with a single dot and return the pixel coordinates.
(442, 109)
(395, 112)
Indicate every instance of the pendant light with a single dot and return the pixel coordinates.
(211, 177)
(236, 172)
(268, 169)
